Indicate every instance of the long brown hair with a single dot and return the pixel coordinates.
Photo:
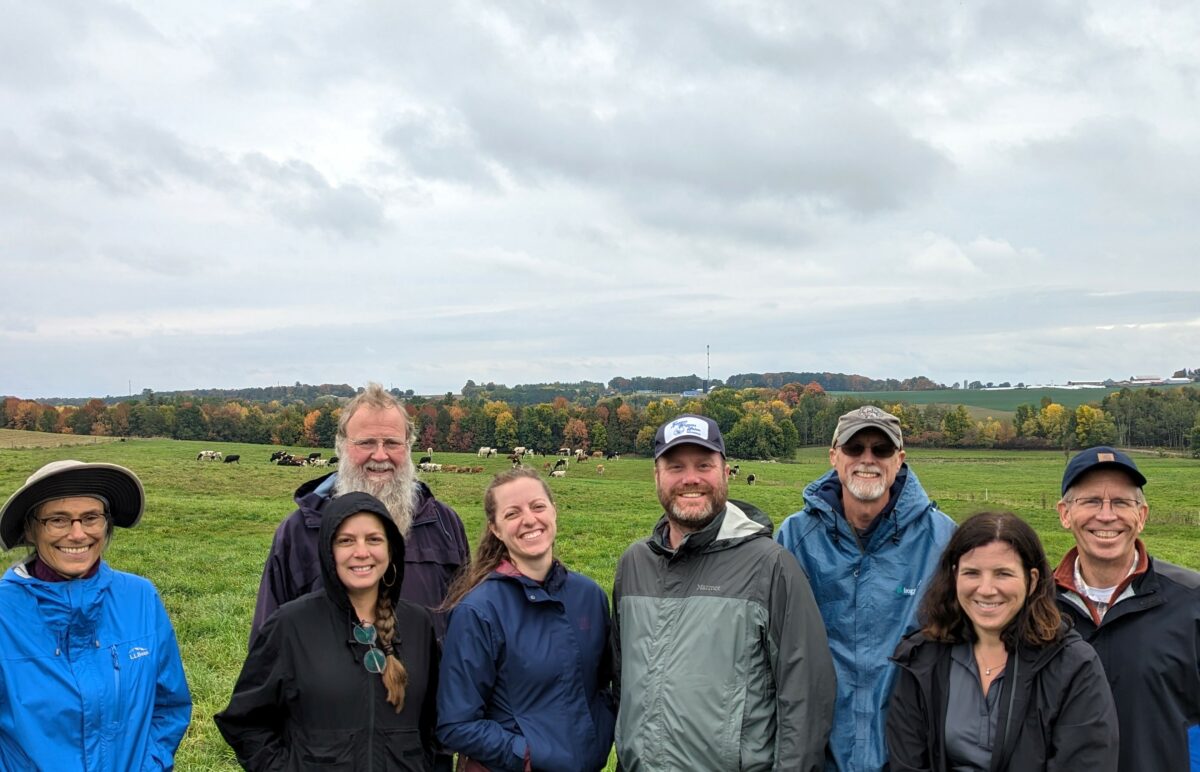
(1036, 624)
(491, 551)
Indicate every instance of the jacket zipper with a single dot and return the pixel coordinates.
(371, 721)
(116, 683)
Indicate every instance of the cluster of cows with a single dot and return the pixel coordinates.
(215, 455)
(429, 466)
(283, 458)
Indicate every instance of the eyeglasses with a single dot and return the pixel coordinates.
(374, 660)
(56, 525)
(881, 450)
(389, 444)
(1093, 504)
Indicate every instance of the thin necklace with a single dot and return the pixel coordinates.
(987, 671)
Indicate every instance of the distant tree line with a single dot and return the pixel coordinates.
(757, 422)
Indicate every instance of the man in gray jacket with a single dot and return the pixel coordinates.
(721, 656)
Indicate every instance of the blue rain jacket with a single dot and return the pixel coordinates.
(527, 665)
(90, 675)
(868, 598)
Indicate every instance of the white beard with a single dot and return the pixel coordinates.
(864, 490)
(399, 494)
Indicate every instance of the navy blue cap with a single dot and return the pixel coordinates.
(1100, 457)
(688, 429)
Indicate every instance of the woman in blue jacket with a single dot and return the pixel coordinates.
(526, 666)
(90, 674)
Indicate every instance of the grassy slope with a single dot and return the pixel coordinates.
(208, 526)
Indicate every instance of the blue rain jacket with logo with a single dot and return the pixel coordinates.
(90, 675)
(868, 597)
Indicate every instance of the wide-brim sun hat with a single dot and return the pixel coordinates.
(119, 488)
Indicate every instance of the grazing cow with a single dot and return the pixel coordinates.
(559, 464)
(209, 455)
(515, 459)
(611, 456)
(750, 478)
(233, 458)
(429, 466)
(425, 460)
(733, 470)
(319, 462)
(599, 468)
(597, 454)
(290, 460)
(546, 467)
(484, 452)
(559, 473)
(332, 460)
(519, 451)
(278, 455)
(564, 451)
(314, 456)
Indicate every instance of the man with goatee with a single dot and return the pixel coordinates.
(720, 654)
(373, 444)
(868, 538)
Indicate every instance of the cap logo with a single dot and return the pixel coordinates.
(1105, 457)
(690, 427)
(870, 411)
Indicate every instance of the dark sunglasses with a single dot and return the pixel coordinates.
(375, 660)
(882, 450)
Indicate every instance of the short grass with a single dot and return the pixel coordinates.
(208, 526)
(13, 438)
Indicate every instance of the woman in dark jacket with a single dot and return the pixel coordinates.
(345, 677)
(995, 680)
(526, 668)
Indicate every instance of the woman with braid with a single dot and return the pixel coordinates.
(526, 667)
(344, 677)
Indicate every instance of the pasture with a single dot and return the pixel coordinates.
(208, 526)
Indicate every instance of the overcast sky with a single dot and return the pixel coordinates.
(231, 194)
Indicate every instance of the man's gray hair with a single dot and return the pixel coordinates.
(377, 397)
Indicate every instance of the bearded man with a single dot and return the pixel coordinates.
(374, 439)
(868, 538)
(720, 654)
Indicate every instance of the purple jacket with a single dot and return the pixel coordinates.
(433, 552)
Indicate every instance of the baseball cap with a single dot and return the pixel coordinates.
(867, 417)
(1100, 456)
(119, 489)
(688, 429)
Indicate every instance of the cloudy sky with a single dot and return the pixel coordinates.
(230, 194)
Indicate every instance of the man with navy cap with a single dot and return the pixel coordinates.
(1140, 614)
(720, 654)
(868, 538)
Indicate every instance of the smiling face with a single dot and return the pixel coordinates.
(866, 477)
(73, 552)
(360, 553)
(692, 485)
(376, 443)
(526, 522)
(1105, 534)
(991, 586)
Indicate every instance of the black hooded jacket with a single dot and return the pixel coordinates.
(1060, 717)
(304, 699)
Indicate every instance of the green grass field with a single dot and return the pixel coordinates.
(208, 526)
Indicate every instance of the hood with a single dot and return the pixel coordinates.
(907, 502)
(336, 512)
(728, 529)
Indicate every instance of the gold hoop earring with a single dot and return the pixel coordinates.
(395, 575)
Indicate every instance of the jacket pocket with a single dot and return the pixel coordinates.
(328, 750)
(405, 752)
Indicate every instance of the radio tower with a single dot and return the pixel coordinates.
(707, 368)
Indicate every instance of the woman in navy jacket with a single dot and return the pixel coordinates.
(995, 680)
(525, 668)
